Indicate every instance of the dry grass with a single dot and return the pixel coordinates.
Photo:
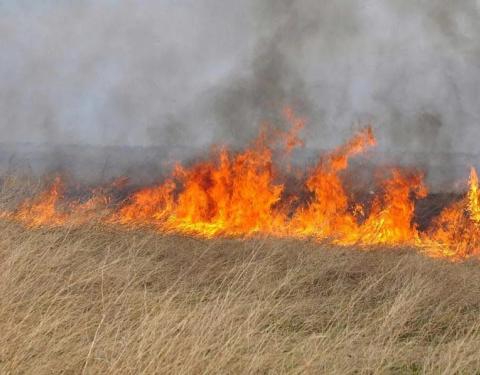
(93, 300)
(96, 300)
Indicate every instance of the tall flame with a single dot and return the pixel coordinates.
(327, 214)
(456, 232)
(244, 193)
(234, 195)
(473, 197)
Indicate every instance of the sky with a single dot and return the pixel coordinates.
(192, 73)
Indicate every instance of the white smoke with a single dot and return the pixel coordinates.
(193, 72)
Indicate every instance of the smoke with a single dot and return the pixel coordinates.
(105, 72)
(188, 73)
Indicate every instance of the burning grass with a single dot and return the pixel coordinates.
(244, 194)
(220, 268)
(97, 300)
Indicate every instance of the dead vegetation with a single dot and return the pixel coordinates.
(95, 300)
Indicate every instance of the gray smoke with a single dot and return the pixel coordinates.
(192, 72)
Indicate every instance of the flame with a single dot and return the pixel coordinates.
(49, 209)
(473, 197)
(147, 206)
(292, 139)
(234, 196)
(327, 214)
(391, 218)
(43, 210)
(456, 232)
(244, 194)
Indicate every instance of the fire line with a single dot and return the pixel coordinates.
(242, 194)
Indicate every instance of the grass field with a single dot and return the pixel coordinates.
(98, 300)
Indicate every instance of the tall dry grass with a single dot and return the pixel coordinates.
(99, 300)
(94, 300)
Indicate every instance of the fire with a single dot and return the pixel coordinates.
(235, 195)
(473, 197)
(292, 139)
(327, 214)
(43, 210)
(456, 232)
(49, 208)
(391, 218)
(147, 206)
(245, 194)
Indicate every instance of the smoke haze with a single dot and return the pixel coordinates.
(191, 73)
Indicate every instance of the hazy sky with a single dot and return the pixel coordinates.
(196, 72)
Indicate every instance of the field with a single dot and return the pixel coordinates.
(97, 300)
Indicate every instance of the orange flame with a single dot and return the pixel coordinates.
(327, 214)
(456, 232)
(244, 193)
(234, 196)
(473, 197)
(43, 210)
(48, 208)
(391, 218)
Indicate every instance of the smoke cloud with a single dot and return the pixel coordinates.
(188, 73)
